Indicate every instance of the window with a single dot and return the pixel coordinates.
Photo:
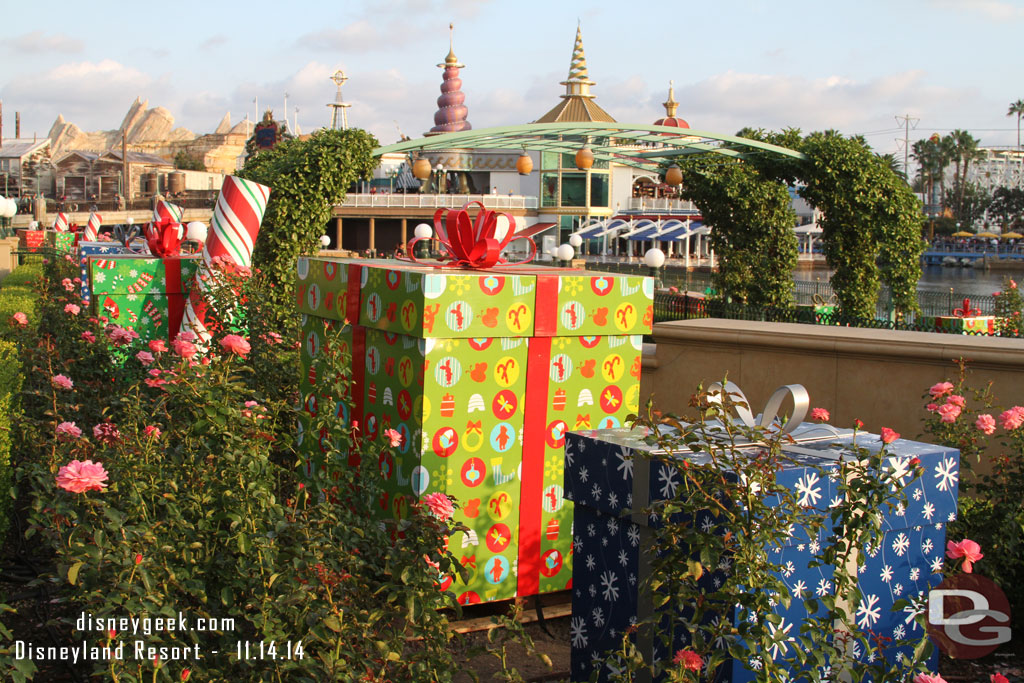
(599, 189)
(574, 189)
(548, 189)
(549, 160)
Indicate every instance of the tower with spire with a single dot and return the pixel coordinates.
(339, 108)
(578, 102)
(451, 113)
(670, 118)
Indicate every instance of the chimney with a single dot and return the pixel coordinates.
(17, 124)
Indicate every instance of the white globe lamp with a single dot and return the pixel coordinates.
(575, 241)
(565, 253)
(655, 259)
(325, 241)
(423, 231)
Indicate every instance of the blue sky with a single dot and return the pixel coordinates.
(852, 66)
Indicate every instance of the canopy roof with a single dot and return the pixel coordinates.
(637, 145)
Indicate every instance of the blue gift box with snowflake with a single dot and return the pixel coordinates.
(87, 249)
(905, 565)
(605, 476)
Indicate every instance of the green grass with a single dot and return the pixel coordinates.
(17, 294)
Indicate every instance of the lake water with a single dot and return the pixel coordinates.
(966, 281)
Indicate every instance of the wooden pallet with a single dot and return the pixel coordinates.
(480, 617)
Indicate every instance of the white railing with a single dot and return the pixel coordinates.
(437, 201)
(647, 204)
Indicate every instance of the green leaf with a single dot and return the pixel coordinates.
(73, 572)
(332, 623)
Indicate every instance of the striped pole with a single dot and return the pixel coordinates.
(233, 230)
(167, 211)
(60, 223)
(92, 228)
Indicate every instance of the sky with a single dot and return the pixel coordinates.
(850, 66)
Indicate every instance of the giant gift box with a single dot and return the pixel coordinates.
(610, 563)
(62, 242)
(482, 372)
(87, 249)
(979, 324)
(144, 293)
(30, 240)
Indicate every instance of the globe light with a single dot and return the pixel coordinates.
(674, 176)
(130, 220)
(421, 169)
(575, 241)
(197, 231)
(584, 158)
(654, 258)
(565, 252)
(423, 231)
(325, 241)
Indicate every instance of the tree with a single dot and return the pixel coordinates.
(964, 149)
(933, 156)
(1018, 109)
(969, 201)
(186, 162)
(307, 178)
(1007, 205)
(753, 228)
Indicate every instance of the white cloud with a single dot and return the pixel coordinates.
(37, 41)
(994, 10)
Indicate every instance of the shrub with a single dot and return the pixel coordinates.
(10, 406)
(16, 294)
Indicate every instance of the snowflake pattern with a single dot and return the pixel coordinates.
(598, 616)
(667, 478)
(886, 574)
(780, 638)
(936, 564)
(900, 544)
(928, 511)
(613, 500)
(623, 558)
(625, 465)
(897, 589)
(824, 587)
(634, 535)
(915, 572)
(610, 590)
(596, 492)
(578, 632)
(947, 474)
(808, 489)
(868, 612)
(591, 562)
(899, 632)
(927, 546)
(798, 590)
(918, 493)
(583, 474)
(898, 472)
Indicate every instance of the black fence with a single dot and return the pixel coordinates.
(669, 306)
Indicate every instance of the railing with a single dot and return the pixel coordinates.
(668, 306)
(805, 292)
(437, 201)
(663, 205)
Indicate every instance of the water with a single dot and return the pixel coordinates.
(965, 281)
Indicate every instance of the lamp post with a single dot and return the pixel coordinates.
(564, 254)
(575, 241)
(655, 259)
(423, 232)
(440, 177)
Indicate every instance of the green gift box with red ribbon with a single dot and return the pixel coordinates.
(144, 293)
(482, 372)
(62, 242)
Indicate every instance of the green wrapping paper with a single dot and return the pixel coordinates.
(144, 293)
(482, 373)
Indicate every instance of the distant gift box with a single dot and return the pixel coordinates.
(31, 240)
(145, 293)
(99, 249)
(482, 373)
(609, 471)
(62, 242)
(984, 324)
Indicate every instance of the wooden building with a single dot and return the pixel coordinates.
(25, 167)
(80, 175)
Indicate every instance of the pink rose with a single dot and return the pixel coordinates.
(19, 319)
(932, 407)
(88, 337)
(985, 423)
(106, 432)
(888, 435)
(967, 549)
(233, 343)
(998, 678)
(121, 336)
(79, 477)
(157, 345)
(187, 336)
(394, 437)
(145, 357)
(819, 414)
(1012, 419)
(929, 678)
(67, 284)
(690, 660)
(956, 400)
(72, 309)
(858, 424)
(151, 431)
(62, 382)
(1013, 284)
(949, 412)
(940, 389)
(66, 431)
(185, 349)
(439, 505)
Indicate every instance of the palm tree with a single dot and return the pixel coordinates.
(1018, 109)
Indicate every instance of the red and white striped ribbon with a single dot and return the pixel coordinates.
(167, 211)
(92, 228)
(60, 223)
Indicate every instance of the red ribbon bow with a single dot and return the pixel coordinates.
(164, 237)
(966, 311)
(472, 243)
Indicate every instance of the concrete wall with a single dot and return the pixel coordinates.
(877, 376)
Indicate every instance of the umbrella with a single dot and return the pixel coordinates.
(1012, 235)
(987, 235)
(963, 233)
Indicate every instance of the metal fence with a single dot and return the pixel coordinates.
(805, 292)
(669, 306)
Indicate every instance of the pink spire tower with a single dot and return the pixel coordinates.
(451, 109)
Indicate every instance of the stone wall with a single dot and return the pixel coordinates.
(877, 376)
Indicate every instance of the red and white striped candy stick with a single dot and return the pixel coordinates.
(60, 223)
(92, 228)
(236, 222)
(167, 211)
